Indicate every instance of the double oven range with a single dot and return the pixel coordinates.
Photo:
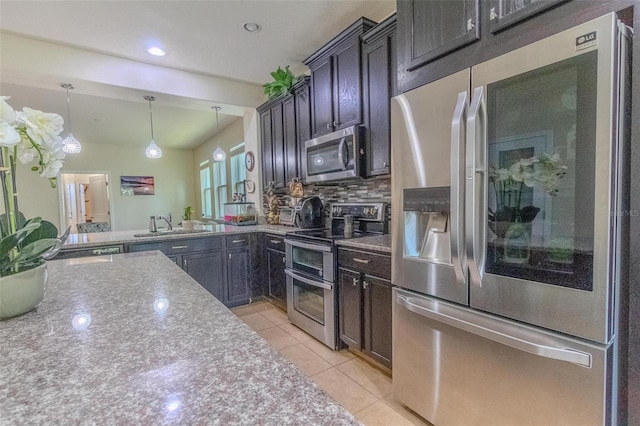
(311, 266)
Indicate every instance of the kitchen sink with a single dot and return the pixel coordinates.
(172, 232)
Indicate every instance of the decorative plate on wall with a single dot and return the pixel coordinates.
(249, 186)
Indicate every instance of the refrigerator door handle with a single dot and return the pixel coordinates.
(558, 353)
(457, 188)
(476, 205)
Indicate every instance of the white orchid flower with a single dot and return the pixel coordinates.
(7, 113)
(40, 126)
(9, 136)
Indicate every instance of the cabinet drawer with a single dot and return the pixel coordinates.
(275, 242)
(239, 240)
(179, 246)
(370, 263)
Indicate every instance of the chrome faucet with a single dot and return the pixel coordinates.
(167, 219)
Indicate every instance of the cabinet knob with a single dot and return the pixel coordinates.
(336, 124)
(355, 282)
(328, 125)
(492, 14)
(365, 285)
(284, 260)
(229, 255)
(184, 262)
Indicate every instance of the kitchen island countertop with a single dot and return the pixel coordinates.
(132, 339)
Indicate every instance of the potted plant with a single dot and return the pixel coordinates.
(187, 223)
(283, 82)
(25, 245)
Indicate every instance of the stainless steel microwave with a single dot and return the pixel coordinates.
(334, 156)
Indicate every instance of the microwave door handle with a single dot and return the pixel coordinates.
(300, 278)
(341, 158)
(504, 336)
(476, 204)
(457, 189)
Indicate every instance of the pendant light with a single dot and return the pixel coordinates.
(70, 144)
(218, 154)
(153, 150)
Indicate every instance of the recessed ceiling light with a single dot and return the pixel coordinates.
(252, 27)
(156, 51)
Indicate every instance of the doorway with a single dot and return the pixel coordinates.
(84, 198)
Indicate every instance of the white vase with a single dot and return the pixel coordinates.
(22, 292)
(187, 225)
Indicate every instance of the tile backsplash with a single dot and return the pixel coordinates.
(370, 190)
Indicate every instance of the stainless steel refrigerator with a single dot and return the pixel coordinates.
(506, 191)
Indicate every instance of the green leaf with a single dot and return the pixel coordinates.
(46, 230)
(33, 251)
(12, 241)
(21, 221)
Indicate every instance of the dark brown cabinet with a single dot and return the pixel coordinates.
(281, 121)
(206, 269)
(336, 85)
(302, 94)
(433, 28)
(364, 288)
(505, 13)
(275, 264)
(378, 82)
(238, 275)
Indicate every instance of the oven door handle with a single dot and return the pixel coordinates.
(315, 247)
(323, 284)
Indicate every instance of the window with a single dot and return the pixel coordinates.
(205, 189)
(238, 173)
(220, 187)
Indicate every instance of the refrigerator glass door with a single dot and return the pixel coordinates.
(540, 164)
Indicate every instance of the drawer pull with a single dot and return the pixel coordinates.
(365, 261)
(275, 241)
(238, 241)
(179, 247)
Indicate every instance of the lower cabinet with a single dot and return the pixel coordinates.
(364, 286)
(222, 265)
(274, 253)
(206, 269)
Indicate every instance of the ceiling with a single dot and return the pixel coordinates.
(210, 60)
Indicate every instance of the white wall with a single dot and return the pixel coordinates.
(174, 184)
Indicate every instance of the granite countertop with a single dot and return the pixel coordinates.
(381, 243)
(95, 239)
(132, 339)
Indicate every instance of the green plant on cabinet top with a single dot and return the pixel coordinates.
(283, 82)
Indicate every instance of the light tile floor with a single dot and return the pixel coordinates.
(359, 387)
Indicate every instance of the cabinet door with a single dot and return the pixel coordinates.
(433, 28)
(267, 150)
(206, 269)
(350, 308)
(347, 95)
(376, 66)
(238, 288)
(277, 277)
(504, 13)
(277, 126)
(303, 124)
(322, 98)
(290, 139)
(377, 319)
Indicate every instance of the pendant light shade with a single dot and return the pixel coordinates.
(70, 144)
(218, 154)
(153, 150)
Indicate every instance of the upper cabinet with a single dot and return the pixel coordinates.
(437, 38)
(282, 126)
(433, 28)
(378, 83)
(336, 82)
(504, 13)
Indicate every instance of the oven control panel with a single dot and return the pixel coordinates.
(360, 211)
